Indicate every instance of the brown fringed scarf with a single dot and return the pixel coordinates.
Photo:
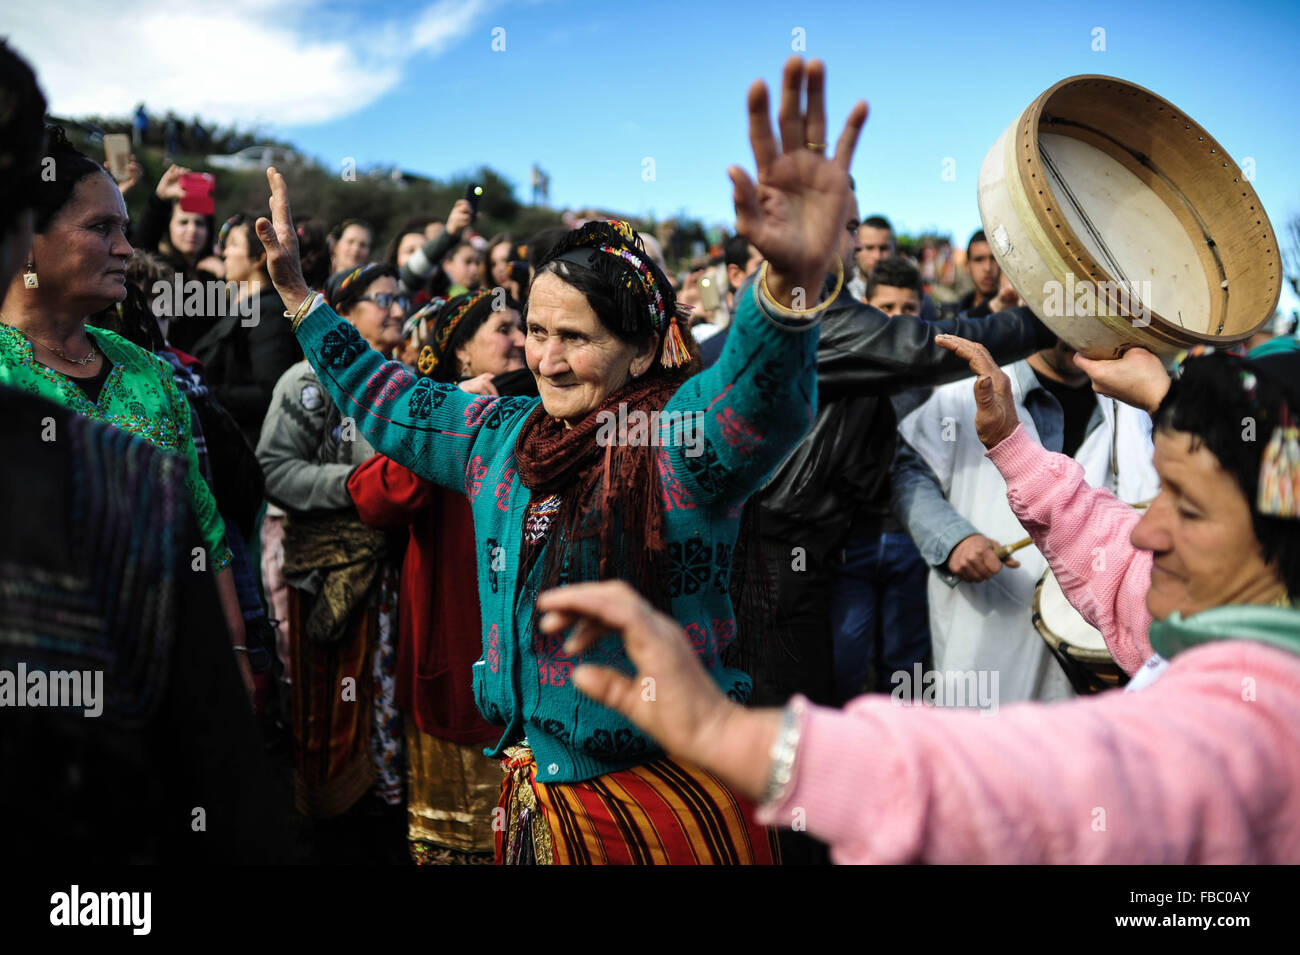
(607, 492)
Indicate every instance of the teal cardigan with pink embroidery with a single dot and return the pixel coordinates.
(753, 405)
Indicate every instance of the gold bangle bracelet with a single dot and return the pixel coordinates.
(803, 312)
(303, 309)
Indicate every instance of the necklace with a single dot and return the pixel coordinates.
(57, 350)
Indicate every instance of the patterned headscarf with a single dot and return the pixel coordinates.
(614, 251)
(342, 289)
(454, 321)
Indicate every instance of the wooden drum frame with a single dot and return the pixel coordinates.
(1102, 184)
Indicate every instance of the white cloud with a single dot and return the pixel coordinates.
(283, 62)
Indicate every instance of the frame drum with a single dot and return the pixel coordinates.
(1077, 645)
(1122, 222)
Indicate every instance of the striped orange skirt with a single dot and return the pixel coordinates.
(660, 813)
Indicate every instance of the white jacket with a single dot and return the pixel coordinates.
(988, 625)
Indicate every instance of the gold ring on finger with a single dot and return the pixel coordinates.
(816, 147)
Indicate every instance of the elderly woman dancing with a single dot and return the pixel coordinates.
(558, 498)
(1196, 763)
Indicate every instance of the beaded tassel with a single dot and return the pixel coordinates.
(1279, 471)
(674, 354)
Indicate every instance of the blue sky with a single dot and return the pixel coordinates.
(589, 90)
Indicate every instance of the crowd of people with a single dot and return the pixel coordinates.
(370, 580)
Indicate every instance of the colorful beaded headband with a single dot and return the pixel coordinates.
(357, 273)
(674, 352)
(334, 293)
(224, 232)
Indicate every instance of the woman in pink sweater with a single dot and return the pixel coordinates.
(1200, 764)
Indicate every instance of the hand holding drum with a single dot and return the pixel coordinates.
(1137, 378)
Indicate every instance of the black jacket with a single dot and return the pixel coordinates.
(840, 471)
(243, 364)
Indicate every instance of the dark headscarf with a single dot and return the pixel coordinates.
(642, 299)
(453, 322)
(345, 289)
(1246, 412)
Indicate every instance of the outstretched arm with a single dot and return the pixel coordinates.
(758, 400)
(429, 427)
(866, 352)
(1157, 776)
(1082, 531)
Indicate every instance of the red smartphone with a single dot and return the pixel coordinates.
(196, 192)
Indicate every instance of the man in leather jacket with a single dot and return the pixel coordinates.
(836, 481)
(837, 478)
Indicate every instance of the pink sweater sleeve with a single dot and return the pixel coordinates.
(1083, 532)
(1202, 766)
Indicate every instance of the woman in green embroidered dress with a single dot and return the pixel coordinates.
(75, 268)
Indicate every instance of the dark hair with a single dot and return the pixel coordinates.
(1210, 402)
(462, 244)
(248, 222)
(878, 222)
(896, 272)
(735, 251)
(414, 226)
(341, 299)
(146, 269)
(503, 237)
(620, 305)
(133, 319)
(313, 250)
(977, 237)
(22, 136)
(541, 244)
(70, 167)
(336, 233)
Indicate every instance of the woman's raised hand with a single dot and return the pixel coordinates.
(798, 209)
(995, 405)
(281, 244)
(169, 186)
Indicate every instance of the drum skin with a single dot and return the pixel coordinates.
(1121, 222)
(1077, 645)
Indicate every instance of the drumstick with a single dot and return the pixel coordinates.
(1006, 550)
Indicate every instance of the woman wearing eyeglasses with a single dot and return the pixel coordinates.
(342, 607)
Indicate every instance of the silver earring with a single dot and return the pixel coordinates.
(29, 276)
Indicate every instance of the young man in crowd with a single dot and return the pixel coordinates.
(985, 272)
(879, 618)
(894, 287)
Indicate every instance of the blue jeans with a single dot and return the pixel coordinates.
(878, 609)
